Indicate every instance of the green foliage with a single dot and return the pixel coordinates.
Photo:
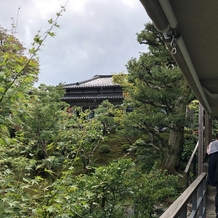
(192, 115)
(42, 122)
(42, 142)
(146, 154)
(105, 115)
(17, 75)
(159, 95)
(17, 71)
(40, 38)
(125, 147)
(104, 149)
(114, 142)
(110, 191)
(87, 135)
(155, 188)
(215, 127)
(189, 145)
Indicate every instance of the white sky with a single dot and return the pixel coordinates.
(96, 37)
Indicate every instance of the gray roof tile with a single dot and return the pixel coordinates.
(96, 81)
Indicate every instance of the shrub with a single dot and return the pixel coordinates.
(189, 145)
(104, 149)
(125, 147)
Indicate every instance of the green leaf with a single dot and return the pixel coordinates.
(52, 34)
(57, 25)
(50, 21)
(32, 50)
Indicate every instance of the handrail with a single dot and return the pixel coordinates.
(192, 157)
(196, 192)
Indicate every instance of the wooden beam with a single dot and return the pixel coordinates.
(200, 139)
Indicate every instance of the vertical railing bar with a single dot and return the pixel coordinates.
(191, 166)
(194, 201)
(204, 197)
(200, 197)
(194, 165)
(183, 213)
(188, 179)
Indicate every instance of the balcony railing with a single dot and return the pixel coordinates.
(191, 203)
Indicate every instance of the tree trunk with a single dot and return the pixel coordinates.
(176, 139)
(174, 150)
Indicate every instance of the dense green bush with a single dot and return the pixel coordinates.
(104, 149)
(146, 155)
(114, 191)
(189, 145)
(125, 147)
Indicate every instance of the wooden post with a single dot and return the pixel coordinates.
(201, 139)
(207, 139)
(208, 129)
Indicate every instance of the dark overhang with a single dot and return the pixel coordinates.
(190, 31)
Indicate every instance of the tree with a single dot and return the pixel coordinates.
(42, 120)
(160, 94)
(105, 114)
(113, 191)
(87, 134)
(17, 71)
(16, 77)
(53, 134)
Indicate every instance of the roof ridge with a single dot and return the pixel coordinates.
(88, 80)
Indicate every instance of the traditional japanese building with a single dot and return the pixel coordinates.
(90, 93)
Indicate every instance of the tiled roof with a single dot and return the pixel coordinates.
(96, 81)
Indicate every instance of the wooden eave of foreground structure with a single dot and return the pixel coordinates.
(190, 31)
